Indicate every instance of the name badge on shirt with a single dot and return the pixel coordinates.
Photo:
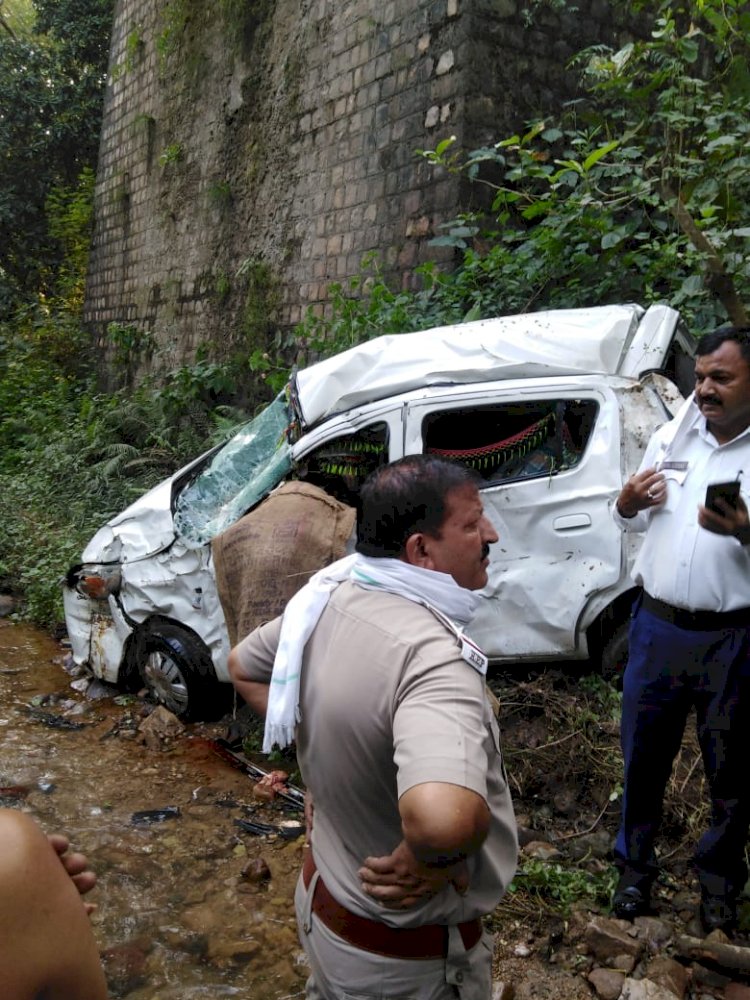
(677, 466)
(473, 655)
(469, 649)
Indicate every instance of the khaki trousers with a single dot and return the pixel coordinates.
(339, 971)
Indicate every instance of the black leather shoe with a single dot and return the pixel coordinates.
(718, 913)
(630, 902)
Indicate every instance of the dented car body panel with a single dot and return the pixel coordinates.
(552, 444)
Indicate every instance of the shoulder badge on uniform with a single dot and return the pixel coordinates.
(469, 649)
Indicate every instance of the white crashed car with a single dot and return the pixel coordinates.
(553, 409)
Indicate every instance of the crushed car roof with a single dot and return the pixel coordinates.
(614, 340)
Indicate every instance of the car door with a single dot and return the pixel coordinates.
(548, 458)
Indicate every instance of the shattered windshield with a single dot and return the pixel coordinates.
(237, 477)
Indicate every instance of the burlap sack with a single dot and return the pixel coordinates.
(266, 556)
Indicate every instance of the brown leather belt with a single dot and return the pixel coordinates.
(428, 941)
(698, 621)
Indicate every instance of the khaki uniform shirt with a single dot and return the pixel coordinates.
(387, 703)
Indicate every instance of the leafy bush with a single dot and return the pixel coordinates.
(71, 457)
(555, 887)
(638, 192)
(52, 74)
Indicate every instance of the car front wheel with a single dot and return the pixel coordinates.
(176, 668)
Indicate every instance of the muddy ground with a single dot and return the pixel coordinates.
(193, 902)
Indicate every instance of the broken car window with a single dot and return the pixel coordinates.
(240, 474)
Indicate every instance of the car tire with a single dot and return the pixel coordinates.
(614, 656)
(176, 668)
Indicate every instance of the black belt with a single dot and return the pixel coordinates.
(698, 621)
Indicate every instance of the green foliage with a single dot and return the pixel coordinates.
(71, 456)
(134, 49)
(70, 217)
(174, 18)
(367, 307)
(18, 15)
(132, 345)
(244, 21)
(52, 80)
(220, 194)
(556, 887)
(170, 154)
(531, 13)
(601, 698)
(638, 192)
(262, 351)
(222, 287)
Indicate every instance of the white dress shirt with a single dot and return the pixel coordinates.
(680, 562)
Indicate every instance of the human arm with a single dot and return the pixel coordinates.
(47, 948)
(442, 825)
(254, 693)
(251, 664)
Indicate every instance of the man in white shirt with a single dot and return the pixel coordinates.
(690, 634)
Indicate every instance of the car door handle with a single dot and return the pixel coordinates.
(571, 521)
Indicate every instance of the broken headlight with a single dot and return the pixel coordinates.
(95, 582)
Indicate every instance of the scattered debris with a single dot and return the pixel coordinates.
(256, 871)
(715, 948)
(160, 726)
(97, 690)
(289, 829)
(234, 755)
(147, 817)
(270, 785)
(14, 791)
(52, 720)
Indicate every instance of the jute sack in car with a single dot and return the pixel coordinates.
(266, 556)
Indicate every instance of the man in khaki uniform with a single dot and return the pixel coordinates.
(414, 837)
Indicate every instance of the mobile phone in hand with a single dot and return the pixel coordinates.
(729, 492)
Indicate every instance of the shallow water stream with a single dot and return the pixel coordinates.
(186, 908)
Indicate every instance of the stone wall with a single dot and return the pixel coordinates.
(254, 152)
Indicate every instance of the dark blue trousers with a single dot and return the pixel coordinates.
(670, 670)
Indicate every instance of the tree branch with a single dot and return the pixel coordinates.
(717, 279)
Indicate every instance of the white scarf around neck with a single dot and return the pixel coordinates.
(423, 586)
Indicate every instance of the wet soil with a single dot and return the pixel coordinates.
(179, 914)
(193, 906)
